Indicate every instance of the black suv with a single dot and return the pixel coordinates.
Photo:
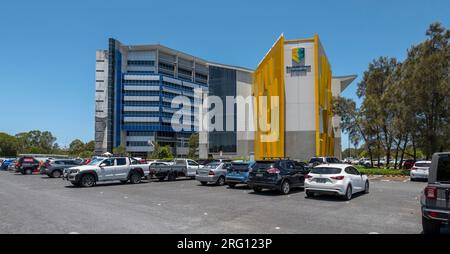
(27, 165)
(55, 168)
(435, 199)
(279, 174)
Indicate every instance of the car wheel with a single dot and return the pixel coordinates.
(221, 181)
(257, 189)
(171, 177)
(135, 178)
(285, 188)
(56, 174)
(204, 183)
(431, 226)
(366, 188)
(87, 180)
(348, 193)
(232, 185)
(76, 184)
(161, 178)
(309, 194)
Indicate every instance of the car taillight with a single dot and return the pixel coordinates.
(308, 176)
(431, 192)
(273, 171)
(211, 173)
(337, 177)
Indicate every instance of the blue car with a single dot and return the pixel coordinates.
(5, 164)
(238, 173)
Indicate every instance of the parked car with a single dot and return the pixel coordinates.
(27, 165)
(5, 164)
(237, 173)
(338, 179)
(153, 165)
(435, 199)
(408, 164)
(281, 175)
(181, 168)
(55, 168)
(322, 160)
(420, 170)
(214, 172)
(121, 169)
(12, 166)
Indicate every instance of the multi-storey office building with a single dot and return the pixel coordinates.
(135, 86)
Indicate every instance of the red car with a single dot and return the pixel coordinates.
(27, 165)
(408, 164)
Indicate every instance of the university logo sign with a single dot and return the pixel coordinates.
(299, 66)
(298, 56)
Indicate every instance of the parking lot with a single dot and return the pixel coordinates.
(38, 204)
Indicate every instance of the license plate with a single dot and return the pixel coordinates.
(321, 180)
(259, 175)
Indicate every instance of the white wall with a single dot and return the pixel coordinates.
(300, 91)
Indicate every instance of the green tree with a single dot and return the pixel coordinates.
(8, 145)
(426, 78)
(76, 147)
(90, 146)
(161, 152)
(120, 151)
(193, 146)
(36, 142)
(376, 105)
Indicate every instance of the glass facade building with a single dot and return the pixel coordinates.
(135, 86)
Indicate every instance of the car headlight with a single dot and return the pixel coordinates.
(74, 171)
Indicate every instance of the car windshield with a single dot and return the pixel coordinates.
(264, 164)
(315, 160)
(213, 165)
(423, 165)
(443, 169)
(95, 162)
(326, 171)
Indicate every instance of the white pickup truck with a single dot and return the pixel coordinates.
(121, 169)
(180, 168)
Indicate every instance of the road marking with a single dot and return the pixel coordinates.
(159, 204)
(205, 214)
(374, 233)
(277, 228)
(74, 233)
(125, 197)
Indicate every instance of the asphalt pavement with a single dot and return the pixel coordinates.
(38, 204)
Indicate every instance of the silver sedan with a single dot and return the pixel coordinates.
(213, 172)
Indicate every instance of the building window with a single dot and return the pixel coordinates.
(141, 63)
(100, 71)
(100, 81)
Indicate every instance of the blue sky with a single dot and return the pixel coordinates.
(47, 48)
